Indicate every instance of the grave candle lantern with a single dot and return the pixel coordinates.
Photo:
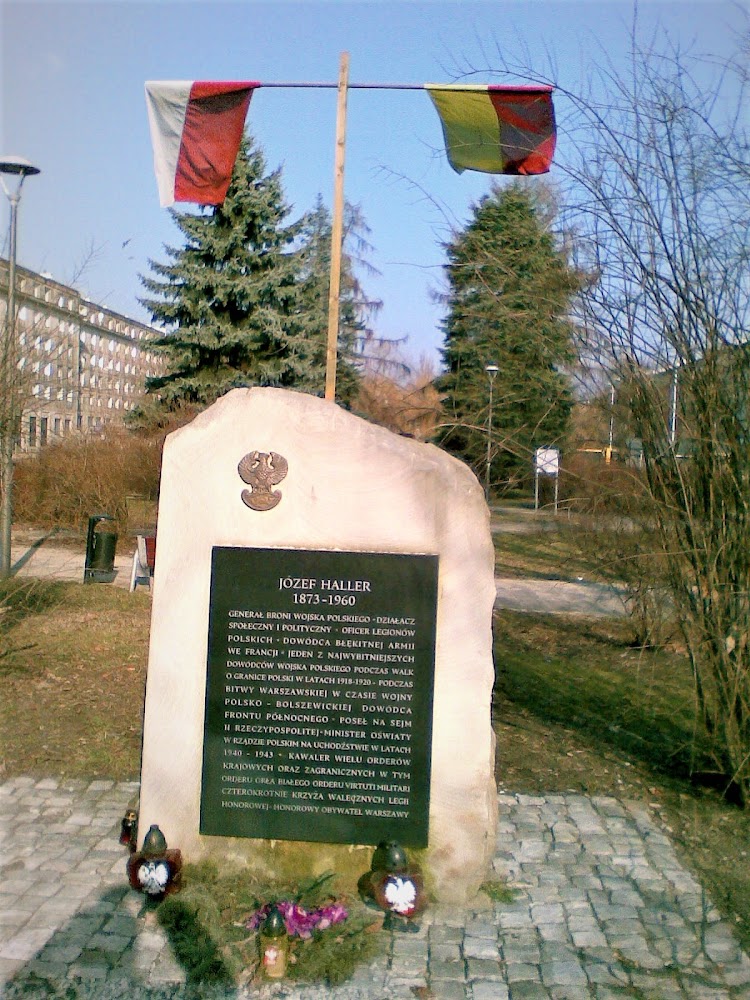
(128, 829)
(274, 945)
(155, 869)
(394, 886)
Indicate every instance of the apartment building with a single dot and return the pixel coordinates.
(81, 366)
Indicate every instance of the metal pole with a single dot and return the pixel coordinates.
(530, 88)
(492, 371)
(489, 449)
(673, 414)
(9, 408)
(9, 416)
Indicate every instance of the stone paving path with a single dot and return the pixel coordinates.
(602, 910)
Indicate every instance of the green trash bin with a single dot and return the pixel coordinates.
(101, 545)
(105, 546)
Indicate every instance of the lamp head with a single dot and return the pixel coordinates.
(17, 165)
(491, 370)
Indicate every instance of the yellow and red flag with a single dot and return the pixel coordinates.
(496, 129)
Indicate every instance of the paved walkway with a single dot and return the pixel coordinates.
(39, 556)
(42, 558)
(602, 910)
(559, 597)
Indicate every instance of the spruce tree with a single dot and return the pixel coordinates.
(230, 299)
(355, 308)
(509, 289)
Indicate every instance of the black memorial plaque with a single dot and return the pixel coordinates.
(319, 696)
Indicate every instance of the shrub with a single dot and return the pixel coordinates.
(620, 535)
(63, 484)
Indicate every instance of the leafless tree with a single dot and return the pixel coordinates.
(654, 173)
(663, 223)
(399, 394)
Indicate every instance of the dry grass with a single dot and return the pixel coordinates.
(73, 688)
(555, 552)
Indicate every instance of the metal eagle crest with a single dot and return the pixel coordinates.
(261, 470)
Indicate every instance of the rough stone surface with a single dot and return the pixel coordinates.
(350, 486)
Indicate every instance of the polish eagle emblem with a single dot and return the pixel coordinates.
(262, 470)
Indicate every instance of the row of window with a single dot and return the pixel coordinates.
(99, 339)
(43, 291)
(93, 340)
(102, 381)
(47, 392)
(128, 388)
(117, 366)
(57, 428)
(72, 304)
(112, 365)
(49, 369)
(40, 429)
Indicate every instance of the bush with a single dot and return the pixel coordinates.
(591, 486)
(620, 535)
(63, 484)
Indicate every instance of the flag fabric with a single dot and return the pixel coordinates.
(496, 129)
(196, 129)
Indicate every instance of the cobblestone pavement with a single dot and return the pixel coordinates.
(602, 909)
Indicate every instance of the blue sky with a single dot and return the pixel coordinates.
(72, 103)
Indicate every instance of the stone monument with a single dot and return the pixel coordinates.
(320, 667)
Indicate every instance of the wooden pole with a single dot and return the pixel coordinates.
(337, 231)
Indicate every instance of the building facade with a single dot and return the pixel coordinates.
(81, 366)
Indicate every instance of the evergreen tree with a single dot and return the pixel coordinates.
(230, 299)
(355, 308)
(509, 289)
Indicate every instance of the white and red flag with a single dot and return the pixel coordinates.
(196, 129)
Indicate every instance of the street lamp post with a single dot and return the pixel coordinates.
(673, 410)
(20, 168)
(492, 371)
(608, 455)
